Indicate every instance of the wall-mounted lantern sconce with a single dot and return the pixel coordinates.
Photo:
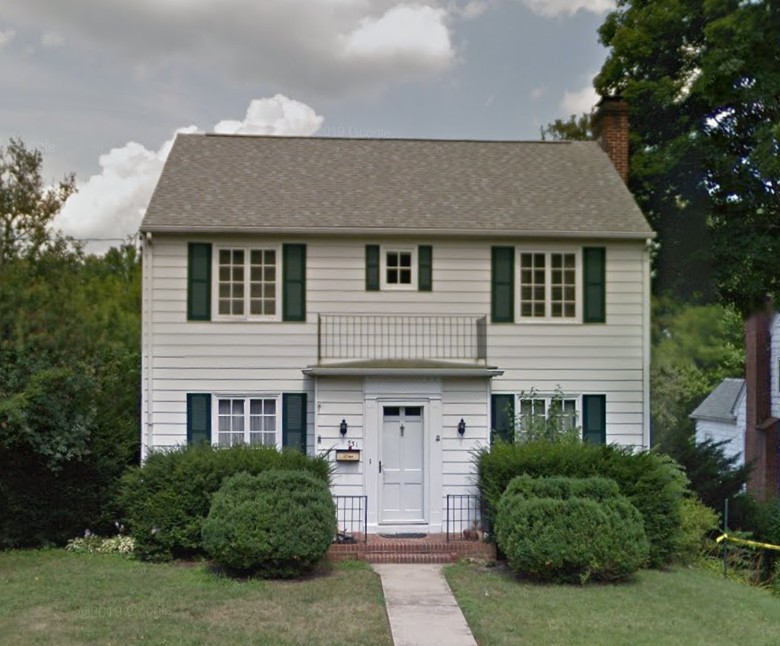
(461, 427)
(343, 427)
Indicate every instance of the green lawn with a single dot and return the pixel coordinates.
(55, 597)
(685, 606)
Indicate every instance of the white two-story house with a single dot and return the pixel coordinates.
(389, 303)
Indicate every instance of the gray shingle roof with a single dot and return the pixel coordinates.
(245, 183)
(720, 403)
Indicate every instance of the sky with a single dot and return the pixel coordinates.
(101, 87)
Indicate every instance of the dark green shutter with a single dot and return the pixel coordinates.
(503, 285)
(594, 419)
(372, 267)
(425, 268)
(198, 418)
(294, 421)
(594, 296)
(294, 282)
(502, 416)
(199, 282)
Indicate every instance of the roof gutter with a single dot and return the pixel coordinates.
(416, 232)
(324, 371)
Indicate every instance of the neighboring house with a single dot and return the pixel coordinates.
(721, 418)
(762, 403)
(398, 297)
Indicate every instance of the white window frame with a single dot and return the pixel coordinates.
(549, 251)
(247, 249)
(386, 249)
(548, 398)
(216, 397)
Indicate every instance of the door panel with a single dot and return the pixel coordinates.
(402, 477)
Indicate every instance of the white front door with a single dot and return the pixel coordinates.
(401, 476)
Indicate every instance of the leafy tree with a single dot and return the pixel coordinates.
(27, 208)
(694, 348)
(573, 129)
(69, 368)
(702, 79)
(740, 81)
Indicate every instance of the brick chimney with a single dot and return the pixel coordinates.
(610, 129)
(761, 429)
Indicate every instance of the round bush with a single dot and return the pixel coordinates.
(572, 540)
(278, 524)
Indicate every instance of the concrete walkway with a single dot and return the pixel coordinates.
(421, 608)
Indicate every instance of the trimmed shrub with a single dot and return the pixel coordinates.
(278, 524)
(561, 488)
(571, 540)
(166, 500)
(652, 482)
(698, 522)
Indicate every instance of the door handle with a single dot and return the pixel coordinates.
(380, 466)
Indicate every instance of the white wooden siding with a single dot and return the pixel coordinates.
(467, 399)
(267, 357)
(723, 432)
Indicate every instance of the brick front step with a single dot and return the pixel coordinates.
(431, 549)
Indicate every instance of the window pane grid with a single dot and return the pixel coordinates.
(532, 285)
(562, 285)
(231, 282)
(262, 282)
(262, 422)
(230, 422)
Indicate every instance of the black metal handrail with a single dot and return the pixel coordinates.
(351, 518)
(464, 519)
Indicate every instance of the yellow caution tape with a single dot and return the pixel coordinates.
(742, 541)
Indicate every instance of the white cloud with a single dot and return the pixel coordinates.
(6, 36)
(549, 8)
(52, 39)
(538, 92)
(111, 204)
(415, 31)
(322, 47)
(275, 116)
(578, 101)
(472, 9)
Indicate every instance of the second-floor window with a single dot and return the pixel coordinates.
(548, 285)
(398, 268)
(391, 267)
(248, 282)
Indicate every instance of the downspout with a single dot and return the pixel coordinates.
(646, 345)
(147, 431)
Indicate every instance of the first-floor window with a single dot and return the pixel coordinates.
(552, 413)
(247, 420)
